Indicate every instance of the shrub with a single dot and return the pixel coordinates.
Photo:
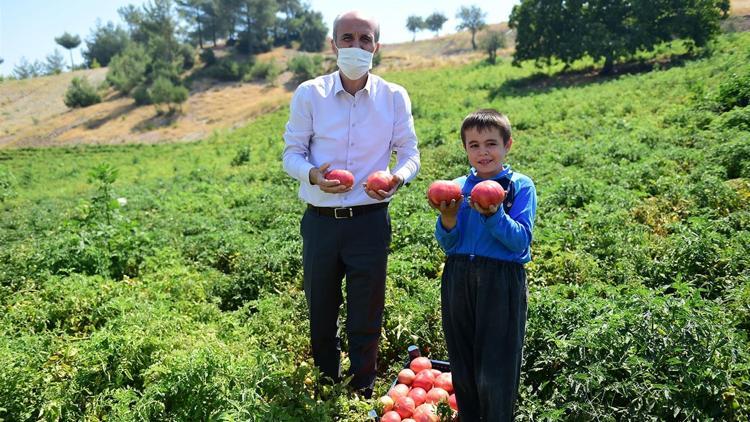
(188, 56)
(141, 95)
(242, 156)
(128, 69)
(81, 93)
(208, 57)
(305, 67)
(230, 70)
(734, 92)
(266, 71)
(163, 91)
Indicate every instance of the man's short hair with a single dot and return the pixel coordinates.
(484, 119)
(336, 24)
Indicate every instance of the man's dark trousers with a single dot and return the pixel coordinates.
(484, 304)
(355, 248)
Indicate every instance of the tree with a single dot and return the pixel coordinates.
(164, 91)
(25, 69)
(69, 42)
(105, 42)
(414, 24)
(259, 18)
(490, 42)
(435, 22)
(128, 69)
(55, 63)
(608, 29)
(312, 31)
(472, 18)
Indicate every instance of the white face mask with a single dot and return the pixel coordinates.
(354, 62)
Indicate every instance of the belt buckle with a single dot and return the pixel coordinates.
(344, 213)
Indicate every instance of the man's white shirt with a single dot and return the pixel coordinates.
(356, 133)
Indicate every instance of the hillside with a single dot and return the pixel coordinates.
(34, 115)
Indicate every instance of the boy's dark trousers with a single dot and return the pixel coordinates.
(484, 304)
(355, 248)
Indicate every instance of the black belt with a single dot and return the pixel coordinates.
(346, 212)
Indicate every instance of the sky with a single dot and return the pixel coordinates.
(28, 27)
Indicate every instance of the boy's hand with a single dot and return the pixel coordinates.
(484, 211)
(448, 211)
(317, 177)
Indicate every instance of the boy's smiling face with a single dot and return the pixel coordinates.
(486, 151)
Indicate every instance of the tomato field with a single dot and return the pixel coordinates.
(182, 300)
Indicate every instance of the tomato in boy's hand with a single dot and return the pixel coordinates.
(443, 190)
(344, 177)
(488, 193)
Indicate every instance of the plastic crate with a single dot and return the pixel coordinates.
(440, 365)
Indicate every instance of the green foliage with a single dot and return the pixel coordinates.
(81, 93)
(128, 69)
(435, 22)
(7, 185)
(305, 67)
(266, 71)
(187, 52)
(208, 57)
(55, 63)
(570, 30)
(472, 18)
(490, 42)
(414, 23)
(312, 31)
(163, 91)
(104, 43)
(598, 352)
(228, 69)
(170, 288)
(734, 92)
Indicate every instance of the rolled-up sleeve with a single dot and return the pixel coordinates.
(404, 140)
(299, 130)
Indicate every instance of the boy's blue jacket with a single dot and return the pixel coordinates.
(503, 236)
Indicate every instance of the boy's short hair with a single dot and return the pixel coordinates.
(484, 119)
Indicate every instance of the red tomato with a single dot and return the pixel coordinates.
(452, 402)
(420, 363)
(424, 379)
(404, 406)
(418, 394)
(399, 390)
(443, 190)
(435, 372)
(391, 416)
(344, 177)
(406, 376)
(445, 381)
(380, 180)
(487, 193)
(386, 402)
(425, 413)
(436, 395)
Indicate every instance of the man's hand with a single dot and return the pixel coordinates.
(448, 211)
(316, 176)
(484, 211)
(382, 194)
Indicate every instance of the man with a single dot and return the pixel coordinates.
(349, 120)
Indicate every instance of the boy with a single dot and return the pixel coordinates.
(483, 290)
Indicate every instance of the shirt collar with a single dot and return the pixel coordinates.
(338, 86)
(504, 173)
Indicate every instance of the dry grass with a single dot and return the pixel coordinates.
(740, 7)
